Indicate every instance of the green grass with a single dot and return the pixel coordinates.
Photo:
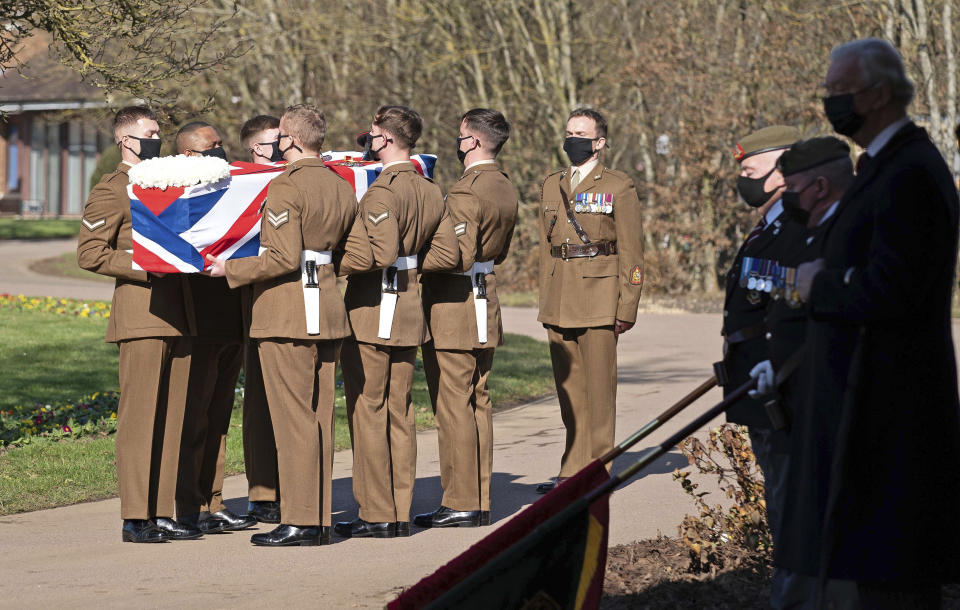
(65, 265)
(38, 228)
(54, 358)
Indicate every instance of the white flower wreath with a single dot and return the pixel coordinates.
(179, 170)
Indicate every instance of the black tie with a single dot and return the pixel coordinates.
(863, 162)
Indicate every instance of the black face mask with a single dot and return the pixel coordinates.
(149, 148)
(284, 151)
(578, 149)
(217, 152)
(791, 206)
(751, 190)
(841, 114)
(462, 154)
(375, 152)
(275, 155)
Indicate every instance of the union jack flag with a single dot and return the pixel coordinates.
(175, 228)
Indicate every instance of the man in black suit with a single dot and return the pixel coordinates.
(760, 185)
(874, 483)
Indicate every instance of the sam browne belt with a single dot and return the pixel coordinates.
(566, 250)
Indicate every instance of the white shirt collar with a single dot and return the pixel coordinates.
(774, 212)
(830, 212)
(392, 163)
(874, 148)
(585, 169)
(476, 163)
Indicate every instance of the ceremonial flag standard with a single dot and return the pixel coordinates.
(551, 555)
(175, 228)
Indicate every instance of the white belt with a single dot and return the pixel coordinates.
(388, 293)
(311, 288)
(479, 270)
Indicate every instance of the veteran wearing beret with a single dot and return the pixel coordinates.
(591, 243)
(816, 172)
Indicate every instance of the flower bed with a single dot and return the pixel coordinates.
(91, 414)
(67, 307)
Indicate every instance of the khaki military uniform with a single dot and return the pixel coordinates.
(214, 369)
(259, 446)
(404, 215)
(308, 207)
(582, 297)
(151, 320)
(483, 206)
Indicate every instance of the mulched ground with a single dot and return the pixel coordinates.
(654, 574)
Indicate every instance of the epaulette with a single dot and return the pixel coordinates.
(291, 169)
(551, 175)
(112, 175)
(618, 174)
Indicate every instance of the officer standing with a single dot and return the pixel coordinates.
(259, 136)
(463, 313)
(591, 243)
(404, 216)
(214, 369)
(299, 321)
(151, 322)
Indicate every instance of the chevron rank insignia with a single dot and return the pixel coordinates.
(636, 276)
(377, 219)
(460, 228)
(93, 226)
(278, 220)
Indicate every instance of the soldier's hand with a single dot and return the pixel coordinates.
(216, 268)
(805, 274)
(620, 327)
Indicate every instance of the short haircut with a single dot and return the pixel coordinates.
(187, 130)
(880, 64)
(129, 115)
(403, 123)
(491, 124)
(838, 172)
(256, 125)
(308, 123)
(590, 113)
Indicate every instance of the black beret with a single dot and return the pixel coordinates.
(807, 154)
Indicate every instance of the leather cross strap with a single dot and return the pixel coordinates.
(573, 220)
(566, 251)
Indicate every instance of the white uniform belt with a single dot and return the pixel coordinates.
(486, 267)
(405, 262)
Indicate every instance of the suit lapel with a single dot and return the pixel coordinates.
(907, 134)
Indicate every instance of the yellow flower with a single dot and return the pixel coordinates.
(85, 313)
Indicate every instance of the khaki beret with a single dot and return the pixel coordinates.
(807, 154)
(775, 137)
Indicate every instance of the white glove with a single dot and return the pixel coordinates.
(763, 373)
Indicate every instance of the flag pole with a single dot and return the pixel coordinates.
(653, 453)
(659, 420)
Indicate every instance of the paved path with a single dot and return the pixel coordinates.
(73, 555)
(17, 278)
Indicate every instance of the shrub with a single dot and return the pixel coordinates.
(718, 532)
